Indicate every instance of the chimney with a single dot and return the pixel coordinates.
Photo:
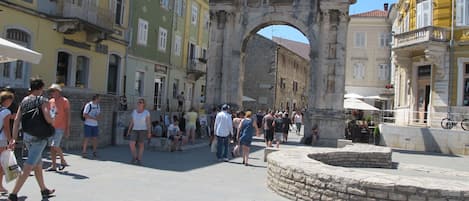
(386, 6)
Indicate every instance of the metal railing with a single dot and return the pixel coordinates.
(197, 66)
(421, 35)
(421, 119)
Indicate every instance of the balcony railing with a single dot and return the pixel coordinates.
(197, 66)
(89, 12)
(421, 35)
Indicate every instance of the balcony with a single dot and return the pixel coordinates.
(91, 18)
(197, 68)
(422, 35)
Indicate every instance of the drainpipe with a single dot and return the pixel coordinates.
(451, 58)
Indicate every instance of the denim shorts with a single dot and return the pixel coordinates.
(90, 131)
(35, 148)
(56, 139)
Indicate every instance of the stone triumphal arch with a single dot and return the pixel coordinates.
(324, 23)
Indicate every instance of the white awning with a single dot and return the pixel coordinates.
(10, 51)
(248, 99)
(352, 103)
(353, 95)
(376, 98)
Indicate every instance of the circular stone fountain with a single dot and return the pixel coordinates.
(307, 173)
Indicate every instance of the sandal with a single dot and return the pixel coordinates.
(3, 191)
(47, 193)
(51, 169)
(62, 167)
(12, 197)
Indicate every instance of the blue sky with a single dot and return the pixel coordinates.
(291, 33)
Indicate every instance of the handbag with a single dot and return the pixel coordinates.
(34, 123)
(9, 165)
(213, 148)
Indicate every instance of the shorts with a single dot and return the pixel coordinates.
(90, 131)
(56, 139)
(35, 148)
(269, 135)
(138, 135)
(189, 127)
(278, 136)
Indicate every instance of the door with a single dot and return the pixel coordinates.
(157, 94)
(423, 93)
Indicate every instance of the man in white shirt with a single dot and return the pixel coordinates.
(223, 129)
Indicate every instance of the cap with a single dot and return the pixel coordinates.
(225, 107)
(55, 87)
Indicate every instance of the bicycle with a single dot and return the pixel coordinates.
(448, 123)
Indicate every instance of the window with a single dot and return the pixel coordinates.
(139, 81)
(195, 13)
(360, 39)
(192, 52)
(142, 32)
(424, 14)
(177, 45)
(383, 72)
(113, 73)
(119, 12)
(204, 53)
(163, 34)
(282, 83)
(358, 71)
(466, 85)
(206, 21)
(81, 73)
(175, 88)
(384, 40)
(63, 68)
(295, 86)
(6, 70)
(405, 24)
(19, 70)
(164, 4)
(179, 7)
(462, 12)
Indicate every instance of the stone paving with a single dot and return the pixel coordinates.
(190, 175)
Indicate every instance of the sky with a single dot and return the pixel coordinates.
(284, 31)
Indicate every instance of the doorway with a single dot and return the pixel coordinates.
(423, 93)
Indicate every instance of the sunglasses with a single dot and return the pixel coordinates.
(140, 102)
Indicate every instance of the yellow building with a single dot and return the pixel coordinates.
(430, 52)
(83, 42)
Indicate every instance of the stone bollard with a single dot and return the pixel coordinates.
(341, 143)
(269, 150)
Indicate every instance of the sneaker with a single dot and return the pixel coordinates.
(226, 159)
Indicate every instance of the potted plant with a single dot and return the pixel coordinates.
(376, 135)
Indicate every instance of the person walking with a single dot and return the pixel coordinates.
(191, 120)
(60, 112)
(246, 130)
(286, 127)
(223, 129)
(278, 127)
(35, 145)
(91, 113)
(181, 100)
(268, 128)
(139, 130)
(6, 99)
(236, 123)
(298, 119)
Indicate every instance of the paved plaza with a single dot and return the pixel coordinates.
(194, 174)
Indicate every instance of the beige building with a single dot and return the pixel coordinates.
(276, 74)
(368, 56)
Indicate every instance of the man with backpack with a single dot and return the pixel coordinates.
(91, 114)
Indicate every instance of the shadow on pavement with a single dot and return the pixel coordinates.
(172, 161)
(424, 153)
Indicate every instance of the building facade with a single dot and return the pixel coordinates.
(369, 57)
(275, 76)
(82, 42)
(430, 51)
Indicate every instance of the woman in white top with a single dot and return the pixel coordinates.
(6, 99)
(140, 125)
(298, 119)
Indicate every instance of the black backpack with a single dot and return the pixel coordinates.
(82, 111)
(34, 123)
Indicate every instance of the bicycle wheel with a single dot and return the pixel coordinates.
(447, 123)
(465, 124)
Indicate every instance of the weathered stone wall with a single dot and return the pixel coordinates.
(292, 174)
(108, 104)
